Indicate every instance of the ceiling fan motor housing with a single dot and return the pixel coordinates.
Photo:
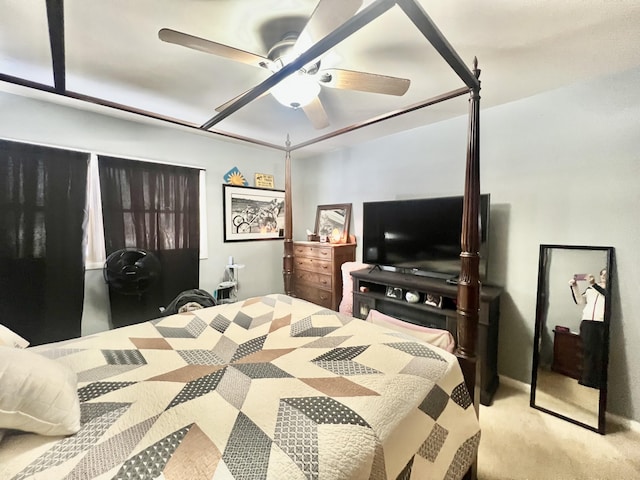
(283, 53)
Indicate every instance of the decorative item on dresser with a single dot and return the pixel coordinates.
(316, 271)
(332, 222)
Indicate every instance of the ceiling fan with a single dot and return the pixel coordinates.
(300, 90)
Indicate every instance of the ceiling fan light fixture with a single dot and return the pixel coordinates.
(297, 90)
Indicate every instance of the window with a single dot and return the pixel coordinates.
(95, 253)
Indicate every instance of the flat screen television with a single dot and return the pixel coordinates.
(420, 236)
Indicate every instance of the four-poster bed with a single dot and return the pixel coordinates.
(468, 303)
(270, 387)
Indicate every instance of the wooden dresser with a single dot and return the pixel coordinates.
(567, 353)
(316, 271)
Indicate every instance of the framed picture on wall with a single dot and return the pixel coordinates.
(251, 213)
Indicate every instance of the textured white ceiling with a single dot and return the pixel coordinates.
(113, 52)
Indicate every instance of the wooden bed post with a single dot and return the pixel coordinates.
(469, 282)
(287, 259)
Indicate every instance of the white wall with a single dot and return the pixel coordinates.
(37, 121)
(561, 167)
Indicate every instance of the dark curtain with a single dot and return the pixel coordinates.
(42, 210)
(153, 207)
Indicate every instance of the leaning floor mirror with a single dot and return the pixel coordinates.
(571, 343)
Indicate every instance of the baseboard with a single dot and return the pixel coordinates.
(625, 423)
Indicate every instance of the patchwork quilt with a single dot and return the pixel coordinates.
(268, 388)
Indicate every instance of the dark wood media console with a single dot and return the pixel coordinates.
(375, 289)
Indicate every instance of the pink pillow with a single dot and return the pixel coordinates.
(346, 304)
(433, 336)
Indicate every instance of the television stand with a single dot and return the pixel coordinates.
(385, 291)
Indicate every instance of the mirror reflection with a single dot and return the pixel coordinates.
(571, 339)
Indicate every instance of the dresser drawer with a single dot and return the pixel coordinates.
(313, 251)
(314, 295)
(319, 280)
(312, 264)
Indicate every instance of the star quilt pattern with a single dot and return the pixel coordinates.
(268, 388)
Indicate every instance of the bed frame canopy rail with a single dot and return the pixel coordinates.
(468, 303)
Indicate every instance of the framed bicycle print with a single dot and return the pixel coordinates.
(252, 213)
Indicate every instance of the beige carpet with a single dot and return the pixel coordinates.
(519, 442)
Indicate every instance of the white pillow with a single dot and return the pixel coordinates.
(37, 394)
(11, 339)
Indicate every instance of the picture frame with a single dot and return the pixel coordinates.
(394, 292)
(252, 213)
(433, 300)
(333, 221)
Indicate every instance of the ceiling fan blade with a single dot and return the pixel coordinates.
(327, 16)
(226, 104)
(364, 82)
(316, 114)
(208, 46)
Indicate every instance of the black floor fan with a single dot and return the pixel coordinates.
(132, 274)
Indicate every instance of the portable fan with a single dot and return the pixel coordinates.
(131, 271)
